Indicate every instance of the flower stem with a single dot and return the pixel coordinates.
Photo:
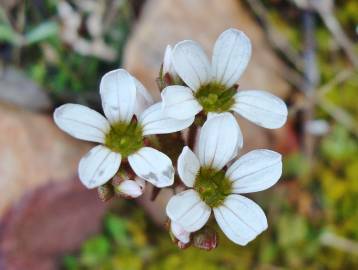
(193, 130)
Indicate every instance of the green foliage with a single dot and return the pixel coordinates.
(339, 146)
(8, 35)
(295, 165)
(348, 13)
(42, 32)
(95, 251)
(54, 63)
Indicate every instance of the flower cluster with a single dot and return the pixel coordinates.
(198, 95)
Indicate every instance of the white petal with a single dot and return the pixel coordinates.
(188, 210)
(168, 66)
(231, 55)
(191, 63)
(154, 121)
(130, 189)
(81, 122)
(118, 94)
(98, 166)
(262, 108)
(211, 115)
(241, 219)
(143, 99)
(179, 232)
(188, 166)
(219, 140)
(179, 102)
(255, 171)
(153, 166)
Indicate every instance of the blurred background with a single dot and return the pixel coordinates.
(55, 51)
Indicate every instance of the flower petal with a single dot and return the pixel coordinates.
(153, 166)
(154, 121)
(168, 66)
(255, 171)
(179, 102)
(188, 210)
(81, 122)
(232, 52)
(219, 140)
(211, 115)
(130, 188)
(179, 232)
(118, 94)
(262, 108)
(143, 98)
(191, 63)
(188, 166)
(241, 219)
(98, 166)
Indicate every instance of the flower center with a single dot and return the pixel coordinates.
(125, 138)
(212, 185)
(215, 97)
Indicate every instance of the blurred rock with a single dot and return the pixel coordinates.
(17, 89)
(48, 223)
(33, 151)
(167, 22)
(44, 210)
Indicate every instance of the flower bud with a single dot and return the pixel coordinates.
(181, 245)
(129, 189)
(105, 192)
(140, 182)
(168, 67)
(206, 238)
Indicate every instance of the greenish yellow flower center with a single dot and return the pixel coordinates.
(216, 97)
(125, 138)
(213, 186)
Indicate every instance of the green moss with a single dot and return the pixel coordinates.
(125, 138)
(215, 97)
(212, 186)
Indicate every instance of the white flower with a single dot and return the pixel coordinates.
(120, 135)
(213, 187)
(211, 87)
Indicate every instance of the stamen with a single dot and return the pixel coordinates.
(215, 97)
(212, 185)
(125, 138)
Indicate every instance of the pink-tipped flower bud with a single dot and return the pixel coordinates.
(206, 238)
